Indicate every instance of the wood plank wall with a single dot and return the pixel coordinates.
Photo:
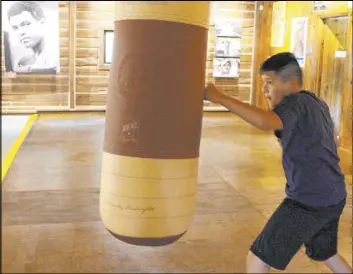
(43, 92)
(91, 81)
(262, 37)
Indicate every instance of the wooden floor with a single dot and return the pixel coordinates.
(51, 218)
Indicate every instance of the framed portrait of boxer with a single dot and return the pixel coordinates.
(227, 47)
(228, 28)
(226, 67)
(31, 36)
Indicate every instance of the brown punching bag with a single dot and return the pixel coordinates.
(153, 120)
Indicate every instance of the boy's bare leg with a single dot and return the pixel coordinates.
(338, 264)
(255, 264)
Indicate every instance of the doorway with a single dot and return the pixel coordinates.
(332, 65)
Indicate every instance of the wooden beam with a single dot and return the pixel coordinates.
(346, 114)
(262, 48)
(72, 54)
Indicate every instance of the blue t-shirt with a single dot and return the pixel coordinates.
(310, 158)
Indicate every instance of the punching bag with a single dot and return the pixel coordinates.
(153, 120)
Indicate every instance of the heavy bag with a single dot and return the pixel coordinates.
(153, 120)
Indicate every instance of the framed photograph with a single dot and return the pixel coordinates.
(298, 38)
(227, 47)
(106, 48)
(320, 6)
(228, 28)
(226, 67)
(31, 36)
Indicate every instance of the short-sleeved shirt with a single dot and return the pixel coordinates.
(310, 158)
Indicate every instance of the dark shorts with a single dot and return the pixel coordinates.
(294, 224)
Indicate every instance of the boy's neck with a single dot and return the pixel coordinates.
(294, 90)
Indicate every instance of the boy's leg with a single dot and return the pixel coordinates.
(323, 245)
(338, 264)
(255, 264)
(288, 228)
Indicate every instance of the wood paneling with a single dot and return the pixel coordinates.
(92, 17)
(91, 82)
(262, 38)
(83, 82)
(347, 109)
(332, 75)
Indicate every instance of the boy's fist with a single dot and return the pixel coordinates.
(213, 94)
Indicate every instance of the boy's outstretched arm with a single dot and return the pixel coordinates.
(262, 119)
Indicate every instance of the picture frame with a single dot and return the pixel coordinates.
(106, 48)
(228, 28)
(320, 6)
(299, 35)
(227, 47)
(31, 48)
(226, 67)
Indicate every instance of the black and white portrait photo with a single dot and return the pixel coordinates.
(230, 28)
(31, 36)
(226, 67)
(228, 47)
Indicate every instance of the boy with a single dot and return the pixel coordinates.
(315, 188)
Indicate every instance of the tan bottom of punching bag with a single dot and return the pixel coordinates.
(149, 202)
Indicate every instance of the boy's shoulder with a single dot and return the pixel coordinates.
(302, 94)
(303, 98)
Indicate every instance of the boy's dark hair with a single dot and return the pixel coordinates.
(30, 6)
(285, 65)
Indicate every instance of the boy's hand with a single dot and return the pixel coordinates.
(213, 94)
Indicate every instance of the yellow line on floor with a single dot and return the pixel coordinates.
(69, 115)
(11, 154)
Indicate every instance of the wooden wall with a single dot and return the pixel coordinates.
(312, 71)
(82, 84)
(91, 81)
(263, 38)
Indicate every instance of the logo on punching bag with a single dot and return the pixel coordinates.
(130, 74)
(129, 131)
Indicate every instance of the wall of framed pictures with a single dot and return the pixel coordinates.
(227, 51)
(231, 49)
(85, 36)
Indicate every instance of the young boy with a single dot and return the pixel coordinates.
(315, 188)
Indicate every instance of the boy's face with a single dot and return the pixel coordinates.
(274, 88)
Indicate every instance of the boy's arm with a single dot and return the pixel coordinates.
(265, 120)
(262, 119)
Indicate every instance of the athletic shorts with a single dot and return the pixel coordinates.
(294, 224)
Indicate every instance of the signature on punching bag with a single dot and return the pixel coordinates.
(142, 210)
